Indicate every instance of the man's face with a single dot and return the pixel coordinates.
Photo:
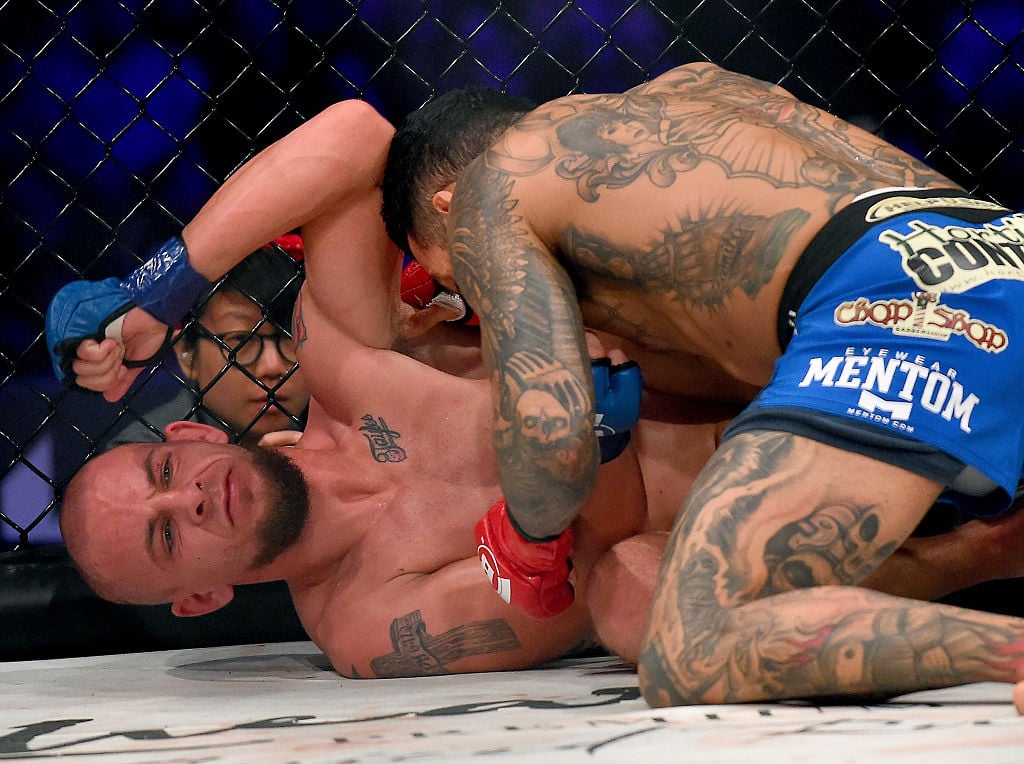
(625, 132)
(436, 261)
(171, 519)
(234, 397)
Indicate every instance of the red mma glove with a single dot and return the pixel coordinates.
(530, 575)
(418, 286)
(292, 244)
(419, 289)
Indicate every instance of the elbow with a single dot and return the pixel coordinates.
(354, 114)
(346, 125)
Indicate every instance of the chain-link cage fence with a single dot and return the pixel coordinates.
(119, 118)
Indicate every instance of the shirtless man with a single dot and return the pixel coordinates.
(692, 219)
(381, 590)
(395, 457)
(369, 518)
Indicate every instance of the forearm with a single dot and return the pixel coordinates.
(311, 172)
(542, 506)
(544, 441)
(252, 207)
(826, 642)
(544, 435)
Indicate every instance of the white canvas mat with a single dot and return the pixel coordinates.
(281, 703)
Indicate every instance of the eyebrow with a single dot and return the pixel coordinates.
(149, 468)
(151, 524)
(241, 314)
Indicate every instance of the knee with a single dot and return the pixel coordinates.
(620, 592)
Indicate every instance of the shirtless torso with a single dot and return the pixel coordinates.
(695, 193)
(397, 455)
(400, 467)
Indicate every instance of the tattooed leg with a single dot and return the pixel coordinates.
(758, 599)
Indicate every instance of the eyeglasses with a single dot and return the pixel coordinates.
(245, 349)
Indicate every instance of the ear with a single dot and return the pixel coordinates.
(442, 200)
(195, 431)
(187, 361)
(201, 604)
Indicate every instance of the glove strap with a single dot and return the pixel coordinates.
(166, 286)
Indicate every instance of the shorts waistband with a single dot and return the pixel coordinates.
(851, 223)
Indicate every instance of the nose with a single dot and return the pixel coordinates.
(187, 503)
(271, 364)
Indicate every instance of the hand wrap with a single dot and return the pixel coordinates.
(419, 289)
(166, 286)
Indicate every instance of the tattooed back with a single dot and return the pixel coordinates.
(676, 209)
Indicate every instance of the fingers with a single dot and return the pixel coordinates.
(98, 367)
(280, 438)
(1018, 697)
(596, 349)
(123, 383)
(617, 357)
(97, 364)
(414, 323)
(594, 346)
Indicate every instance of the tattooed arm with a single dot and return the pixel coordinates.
(444, 622)
(533, 340)
(759, 598)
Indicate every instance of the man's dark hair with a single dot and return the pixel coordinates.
(433, 146)
(269, 277)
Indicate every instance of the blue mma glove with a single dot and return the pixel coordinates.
(617, 391)
(165, 286)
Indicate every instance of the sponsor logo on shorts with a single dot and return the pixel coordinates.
(922, 315)
(901, 205)
(892, 384)
(956, 258)
(489, 563)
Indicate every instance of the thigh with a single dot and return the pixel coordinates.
(773, 512)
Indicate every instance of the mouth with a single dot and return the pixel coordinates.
(280, 400)
(229, 490)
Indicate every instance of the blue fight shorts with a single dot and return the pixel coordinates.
(899, 327)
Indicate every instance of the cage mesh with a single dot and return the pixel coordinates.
(119, 118)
